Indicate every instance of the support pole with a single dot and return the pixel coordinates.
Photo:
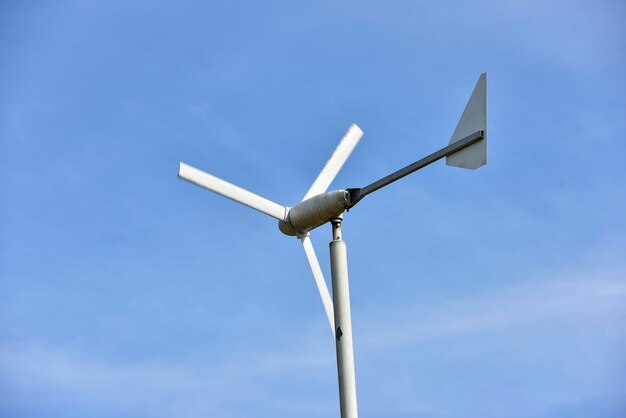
(343, 323)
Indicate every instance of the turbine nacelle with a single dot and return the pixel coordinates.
(313, 212)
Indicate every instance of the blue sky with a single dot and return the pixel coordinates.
(125, 292)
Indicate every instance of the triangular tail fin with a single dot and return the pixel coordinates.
(474, 119)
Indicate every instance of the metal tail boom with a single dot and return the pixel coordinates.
(357, 194)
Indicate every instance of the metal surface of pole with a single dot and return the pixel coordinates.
(343, 323)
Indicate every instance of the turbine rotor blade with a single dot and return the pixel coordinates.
(336, 161)
(226, 189)
(319, 280)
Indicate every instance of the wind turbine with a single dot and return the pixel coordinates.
(467, 149)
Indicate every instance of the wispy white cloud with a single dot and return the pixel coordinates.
(539, 300)
(159, 388)
(148, 388)
(570, 326)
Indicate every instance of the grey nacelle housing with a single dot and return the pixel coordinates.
(313, 212)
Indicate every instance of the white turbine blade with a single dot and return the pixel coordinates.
(336, 161)
(226, 189)
(319, 281)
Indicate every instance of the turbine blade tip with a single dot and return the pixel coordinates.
(356, 128)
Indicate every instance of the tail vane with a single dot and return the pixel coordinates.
(474, 119)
